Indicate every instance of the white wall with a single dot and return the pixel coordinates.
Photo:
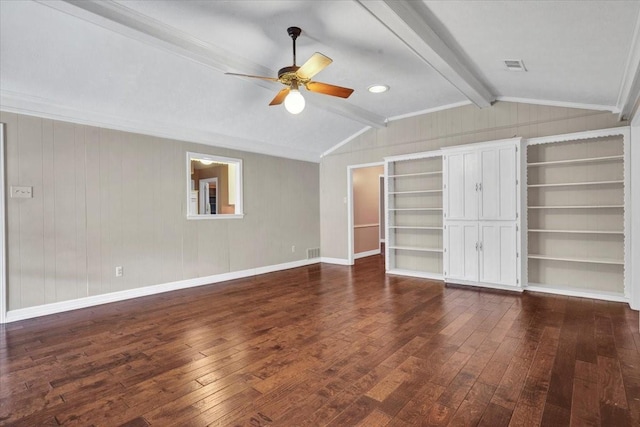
(104, 198)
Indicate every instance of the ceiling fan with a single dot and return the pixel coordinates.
(293, 77)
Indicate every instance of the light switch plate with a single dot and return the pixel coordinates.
(18, 192)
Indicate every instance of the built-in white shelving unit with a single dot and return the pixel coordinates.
(413, 192)
(576, 197)
(551, 216)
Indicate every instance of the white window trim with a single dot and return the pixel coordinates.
(239, 189)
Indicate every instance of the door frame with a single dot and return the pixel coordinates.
(350, 219)
(3, 228)
(382, 206)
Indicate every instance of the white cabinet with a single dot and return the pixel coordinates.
(461, 185)
(481, 183)
(461, 254)
(481, 218)
(483, 252)
(498, 253)
(497, 183)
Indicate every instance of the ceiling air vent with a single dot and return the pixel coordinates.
(514, 65)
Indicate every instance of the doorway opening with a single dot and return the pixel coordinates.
(365, 224)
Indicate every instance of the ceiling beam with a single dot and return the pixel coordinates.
(414, 24)
(629, 94)
(129, 23)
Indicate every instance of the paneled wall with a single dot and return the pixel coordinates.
(431, 131)
(104, 198)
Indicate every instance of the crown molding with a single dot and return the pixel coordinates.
(345, 141)
(552, 103)
(430, 110)
(394, 118)
(35, 106)
(414, 24)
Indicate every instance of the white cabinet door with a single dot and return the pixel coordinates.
(498, 253)
(461, 184)
(498, 183)
(461, 256)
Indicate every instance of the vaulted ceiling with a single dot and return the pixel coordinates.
(157, 66)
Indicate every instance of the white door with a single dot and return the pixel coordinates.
(461, 186)
(497, 187)
(461, 251)
(498, 259)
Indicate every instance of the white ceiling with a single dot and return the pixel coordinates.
(157, 66)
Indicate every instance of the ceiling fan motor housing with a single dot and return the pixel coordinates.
(287, 75)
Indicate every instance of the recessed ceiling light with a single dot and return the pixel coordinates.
(378, 88)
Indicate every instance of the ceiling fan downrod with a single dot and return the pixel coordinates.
(294, 32)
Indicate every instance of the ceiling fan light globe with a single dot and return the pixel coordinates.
(294, 102)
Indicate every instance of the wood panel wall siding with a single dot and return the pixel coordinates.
(432, 131)
(327, 345)
(104, 198)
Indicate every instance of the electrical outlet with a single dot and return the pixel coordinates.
(119, 271)
(293, 248)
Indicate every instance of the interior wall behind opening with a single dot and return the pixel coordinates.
(366, 209)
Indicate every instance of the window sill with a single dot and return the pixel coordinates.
(218, 216)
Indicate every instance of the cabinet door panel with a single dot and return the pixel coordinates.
(498, 183)
(460, 182)
(462, 255)
(498, 261)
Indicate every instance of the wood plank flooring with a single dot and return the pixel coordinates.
(326, 345)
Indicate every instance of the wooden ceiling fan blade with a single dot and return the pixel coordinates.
(327, 89)
(253, 77)
(279, 98)
(313, 66)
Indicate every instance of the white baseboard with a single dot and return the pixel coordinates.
(418, 274)
(572, 292)
(339, 261)
(484, 285)
(59, 307)
(366, 254)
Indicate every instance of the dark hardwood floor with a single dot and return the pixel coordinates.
(326, 345)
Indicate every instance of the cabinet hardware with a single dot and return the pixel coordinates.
(480, 186)
(476, 186)
(476, 246)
